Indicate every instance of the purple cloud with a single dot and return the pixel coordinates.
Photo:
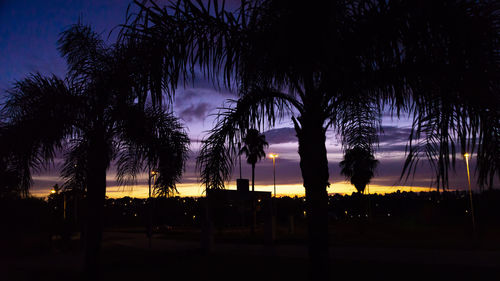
(195, 112)
(393, 134)
(281, 135)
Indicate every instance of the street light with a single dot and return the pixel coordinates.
(466, 155)
(152, 174)
(274, 156)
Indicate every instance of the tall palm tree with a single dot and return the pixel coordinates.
(328, 64)
(254, 143)
(358, 166)
(94, 117)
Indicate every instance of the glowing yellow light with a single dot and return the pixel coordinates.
(466, 155)
(153, 173)
(273, 155)
(52, 191)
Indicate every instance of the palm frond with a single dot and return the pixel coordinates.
(74, 169)
(85, 52)
(219, 149)
(39, 113)
(174, 41)
(488, 164)
(151, 139)
(454, 91)
(358, 122)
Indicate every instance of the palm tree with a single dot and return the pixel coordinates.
(328, 64)
(254, 149)
(94, 117)
(358, 166)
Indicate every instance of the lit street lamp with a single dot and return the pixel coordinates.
(274, 156)
(466, 155)
(152, 174)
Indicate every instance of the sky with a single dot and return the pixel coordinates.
(28, 33)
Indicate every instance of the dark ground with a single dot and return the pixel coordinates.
(357, 253)
(409, 237)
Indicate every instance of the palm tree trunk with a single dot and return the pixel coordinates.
(314, 167)
(253, 176)
(96, 192)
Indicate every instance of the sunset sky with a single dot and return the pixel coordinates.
(28, 35)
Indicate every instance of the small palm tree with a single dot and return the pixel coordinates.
(94, 117)
(358, 166)
(254, 143)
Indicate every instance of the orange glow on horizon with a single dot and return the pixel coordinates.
(297, 189)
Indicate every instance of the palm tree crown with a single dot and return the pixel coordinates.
(254, 143)
(358, 166)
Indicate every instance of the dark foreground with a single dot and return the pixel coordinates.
(407, 237)
(126, 256)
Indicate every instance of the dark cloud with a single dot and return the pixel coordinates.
(281, 135)
(196, 104)
(204, 92)
(391, 148)
(393, 134)
(195, 112)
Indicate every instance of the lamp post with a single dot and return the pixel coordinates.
(274, 156)
(466, 155)
(272, 222)
(152, 174)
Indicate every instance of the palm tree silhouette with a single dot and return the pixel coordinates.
(358, 166)
(329, 64)
(254, 143)
(94, 117)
